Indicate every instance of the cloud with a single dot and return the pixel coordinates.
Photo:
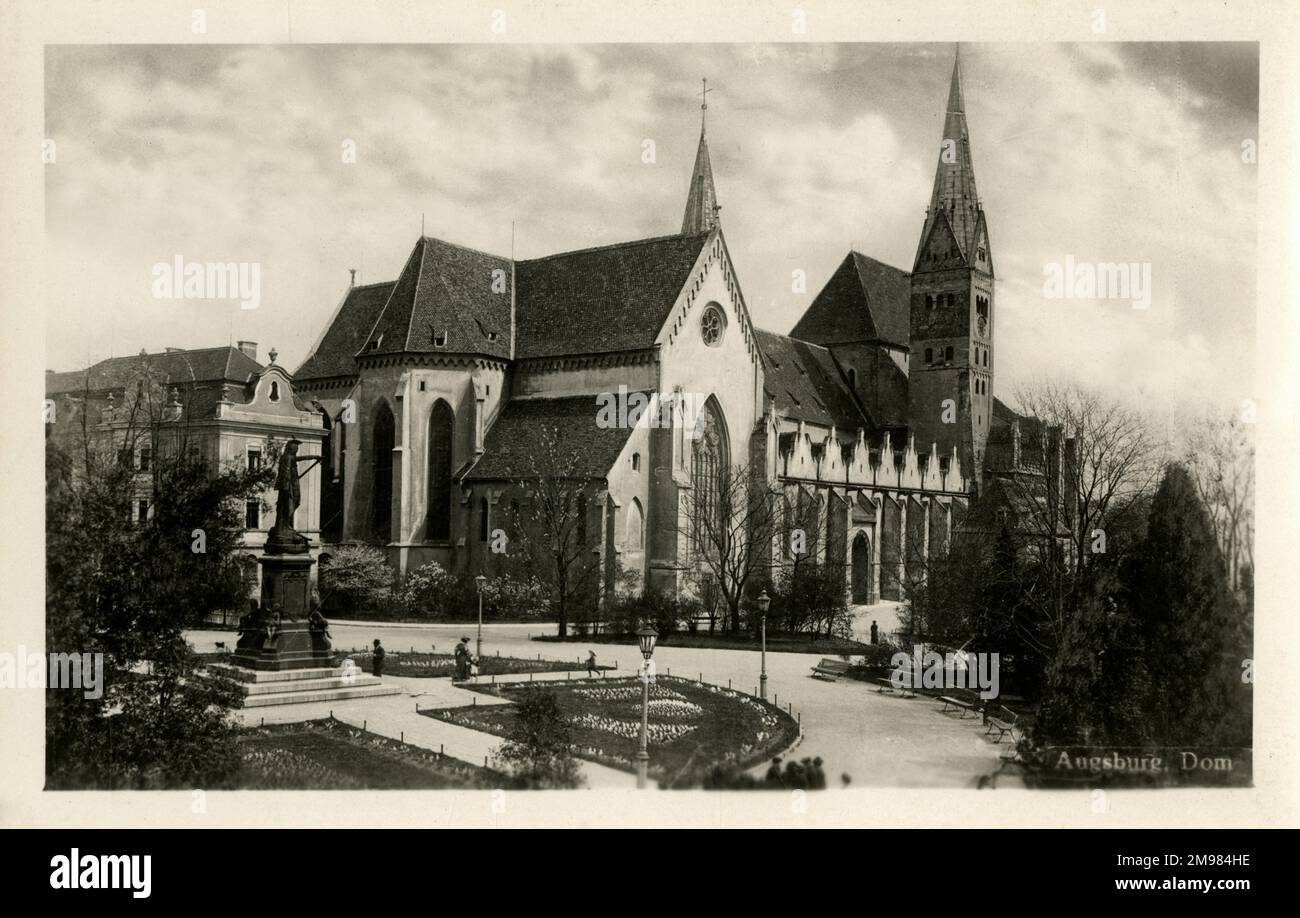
(1106, 152)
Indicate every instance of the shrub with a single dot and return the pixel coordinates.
(426, 592)
(356, 578)
(538, 751)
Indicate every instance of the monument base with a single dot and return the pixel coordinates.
(290, 645)
(285, 633)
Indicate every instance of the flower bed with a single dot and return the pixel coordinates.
(331, 755)
(691, 726)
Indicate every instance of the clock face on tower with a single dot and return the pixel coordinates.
(983, 325)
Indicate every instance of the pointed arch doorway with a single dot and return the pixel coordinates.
(861, 569)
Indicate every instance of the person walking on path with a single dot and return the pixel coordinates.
(875, 634)
(462, 660)
(377, 659)
(773, 776)
(591, 664)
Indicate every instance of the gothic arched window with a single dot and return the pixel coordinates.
(635, 526)
(381, 460)
(709, 465)
(441, 434)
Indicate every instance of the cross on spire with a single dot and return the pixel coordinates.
(704, 100)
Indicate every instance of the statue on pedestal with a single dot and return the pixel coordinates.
(283, 538)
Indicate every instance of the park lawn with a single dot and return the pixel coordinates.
(782, 643)
(437, 665)
(692, 726)
(331, 755)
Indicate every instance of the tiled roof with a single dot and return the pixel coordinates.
(611, 298)
(450, 293)
(228, 364)
(335, 353)
(806, 382)
(865, 300)
(553, 436)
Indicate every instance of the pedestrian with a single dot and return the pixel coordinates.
(377, 659)
(875, 634)
(794, 777)
(591, 663)
(773, 776)
(473, 669)
(462, 660)
(818, 779)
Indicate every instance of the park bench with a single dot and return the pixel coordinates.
(958, 704)
(830, 670)
(1001, 721)
(905, 692)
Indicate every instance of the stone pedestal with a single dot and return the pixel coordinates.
(283, 637)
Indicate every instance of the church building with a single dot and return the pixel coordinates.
(444, 391)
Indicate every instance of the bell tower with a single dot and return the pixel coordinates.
(951, 361)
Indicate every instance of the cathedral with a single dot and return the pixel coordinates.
(439, 391)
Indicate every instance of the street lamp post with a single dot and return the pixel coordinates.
(480, 581)
(646, 638)
(764, 602)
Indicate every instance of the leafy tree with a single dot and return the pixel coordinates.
(1193, 631)
(126, 585)
(538, 752)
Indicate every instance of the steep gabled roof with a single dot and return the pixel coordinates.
(335, 353)
(806, 383)
(864, 300)
(612, 298)
(212, 364)
(549, 437)
(445, 292)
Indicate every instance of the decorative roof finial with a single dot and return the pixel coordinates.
(704, 101)
(273, 354)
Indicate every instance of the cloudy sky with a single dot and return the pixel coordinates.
(1099, 152)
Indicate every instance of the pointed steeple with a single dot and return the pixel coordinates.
(954, 192)
(702, 201)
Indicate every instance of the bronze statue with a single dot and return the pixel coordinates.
(283, 537)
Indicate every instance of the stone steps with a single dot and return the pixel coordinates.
(293, 696)
(262, 688)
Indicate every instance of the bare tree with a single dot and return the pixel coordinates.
(552, 525)
(728, 533)
(1221, 457)
(1085, 459)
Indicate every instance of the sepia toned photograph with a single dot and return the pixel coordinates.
(726, 417)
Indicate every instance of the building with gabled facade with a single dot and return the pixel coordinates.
(873, 413)
(227, 407)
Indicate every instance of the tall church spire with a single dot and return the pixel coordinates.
(702, 201)
(954, 179)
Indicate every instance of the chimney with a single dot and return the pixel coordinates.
(249, 349)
